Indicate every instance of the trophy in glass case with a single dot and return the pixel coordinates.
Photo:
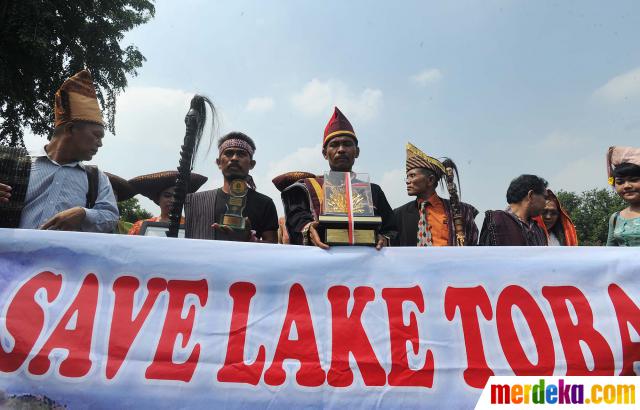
(233, 218)
(347, 216)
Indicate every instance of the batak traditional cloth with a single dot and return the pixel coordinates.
(151, 185)
(122, 189)
(418, 159)
(617, 156)
(76, 100)
(285, 180)
(338, 126)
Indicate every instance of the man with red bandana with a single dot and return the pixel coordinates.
(204, 210)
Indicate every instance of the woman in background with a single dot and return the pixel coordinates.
(159, 188)
(557, 223)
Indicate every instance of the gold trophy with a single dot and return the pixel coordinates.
(347, 210)
(233, 218)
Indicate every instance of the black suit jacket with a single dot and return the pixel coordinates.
(407, 217)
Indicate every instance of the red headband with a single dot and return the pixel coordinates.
(236, 143)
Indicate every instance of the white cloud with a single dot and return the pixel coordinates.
(303, 159)
(32, 141)
(394, 187)
(558, 140)
(620, 88)
(260, 104)
(319, 97)
(580, 175)
(426, 77)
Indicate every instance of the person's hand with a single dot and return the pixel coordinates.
(227, 230)
(5, 193)
(382, 242)
(252, 233)
(69, 220)
(222, 228)
(314, 236)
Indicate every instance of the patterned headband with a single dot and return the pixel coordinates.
(236, 143)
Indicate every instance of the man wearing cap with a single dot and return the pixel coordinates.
(430, 220)
(62, 192)
(204, 210)
(302, 200)
(159, 188)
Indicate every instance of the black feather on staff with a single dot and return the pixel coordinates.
(195, 121)
(454, 198)
(448, 163)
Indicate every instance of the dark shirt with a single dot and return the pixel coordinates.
(260, 210)
(298, 211)
(504, 228)
(407, 217)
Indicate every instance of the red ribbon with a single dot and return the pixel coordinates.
(347, 183)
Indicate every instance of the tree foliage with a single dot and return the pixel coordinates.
(43, 42)
(131, 211)
(590, 212)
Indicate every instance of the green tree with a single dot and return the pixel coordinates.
(590, 212)
(131, 211)
(43, 42)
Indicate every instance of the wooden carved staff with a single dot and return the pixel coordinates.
(454, 198)
(195, 121)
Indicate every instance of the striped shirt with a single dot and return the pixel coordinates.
(54, 188)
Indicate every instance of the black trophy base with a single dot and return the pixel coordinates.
(234, 234)
(233, 221)
(334, 230)
(237, 231)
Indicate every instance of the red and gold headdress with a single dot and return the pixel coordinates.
(338, 126)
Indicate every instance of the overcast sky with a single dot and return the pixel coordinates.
(501, 87)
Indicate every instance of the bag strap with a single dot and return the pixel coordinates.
(92, 179)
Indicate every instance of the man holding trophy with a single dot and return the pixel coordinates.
(342, 207)
(234, 212)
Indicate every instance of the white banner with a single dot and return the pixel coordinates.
(107, 321)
